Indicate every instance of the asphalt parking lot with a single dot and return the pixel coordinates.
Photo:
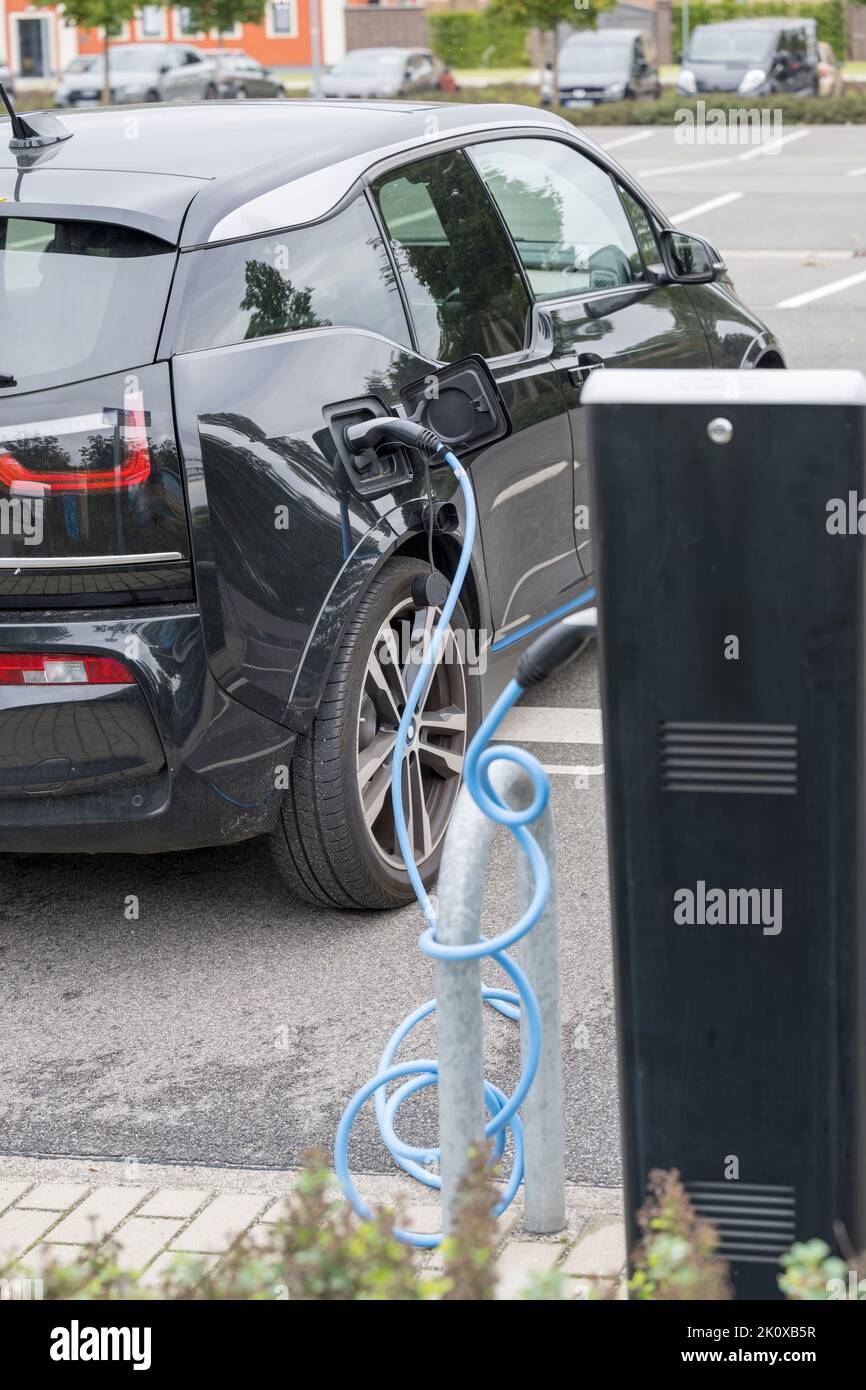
(228, 1025)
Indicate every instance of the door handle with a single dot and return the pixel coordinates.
(586, 362)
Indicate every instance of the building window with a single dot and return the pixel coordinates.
(152, 22)
(236, 31)
(184, 25)
(281, 20)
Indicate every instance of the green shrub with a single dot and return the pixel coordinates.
(468, 39)
(810, 1273)
(675, 1258)
(849, 109)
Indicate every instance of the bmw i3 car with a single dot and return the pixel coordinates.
(208, 614)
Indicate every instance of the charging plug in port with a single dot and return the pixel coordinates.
(374, 471)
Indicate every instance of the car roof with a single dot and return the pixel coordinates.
(767, 22)
(261, 159)
(606, 35)
(388, 48)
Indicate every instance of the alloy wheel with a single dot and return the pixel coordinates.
(436, 745)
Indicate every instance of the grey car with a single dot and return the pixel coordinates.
(224, 72)
(136, 73)
(383, 72)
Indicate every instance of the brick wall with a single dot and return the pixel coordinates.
(378, 26)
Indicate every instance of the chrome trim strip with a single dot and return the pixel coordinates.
(87, 562)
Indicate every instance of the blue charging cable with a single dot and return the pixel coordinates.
(414, 1076)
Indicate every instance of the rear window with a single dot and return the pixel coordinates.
(335, 273)
(78, 299)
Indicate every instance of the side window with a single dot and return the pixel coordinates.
(570, 228)
(332, 273)
(463, 285)
(797, 44)
(643, 228)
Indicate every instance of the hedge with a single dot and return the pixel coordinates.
(467, 39)
(830, 15)
(849, 109)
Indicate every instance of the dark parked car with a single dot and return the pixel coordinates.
(609, 65)
(754, 56)
(385, 72)
(207, 621)
(137, 72)
(224, 72)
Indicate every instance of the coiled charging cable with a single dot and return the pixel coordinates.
(546, 654)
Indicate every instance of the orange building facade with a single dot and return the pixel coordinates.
(38, 43)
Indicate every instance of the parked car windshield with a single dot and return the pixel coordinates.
(594, 55)
(83, 64)
(712, 45)
(78, 299)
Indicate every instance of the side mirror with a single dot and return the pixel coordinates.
(461, 403)
(164, 68)
(688, 259)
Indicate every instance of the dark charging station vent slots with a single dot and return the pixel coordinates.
(714, 757)
(756, 1222)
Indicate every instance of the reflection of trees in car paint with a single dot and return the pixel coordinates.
(275, 305)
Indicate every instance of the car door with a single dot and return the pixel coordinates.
(591, 259)
(465, 293)
(172, 80)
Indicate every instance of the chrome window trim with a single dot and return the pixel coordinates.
(86, 562)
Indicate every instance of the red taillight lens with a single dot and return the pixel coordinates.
(62, 669)
(132, 468)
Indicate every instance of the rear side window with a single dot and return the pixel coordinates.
(462, 282)
(78, 299)
(335, 273)
(564, 213)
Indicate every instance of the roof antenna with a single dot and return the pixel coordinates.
(40, 130)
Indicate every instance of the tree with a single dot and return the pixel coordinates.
(109, 16)
(547, 15)
(221, 16)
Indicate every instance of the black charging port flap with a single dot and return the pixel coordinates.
(460, 403)
(375, 471)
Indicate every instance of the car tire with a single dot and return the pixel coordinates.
(241, 94)
(210, 92)
(334, 843)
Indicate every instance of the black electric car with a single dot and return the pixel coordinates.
(209, 613)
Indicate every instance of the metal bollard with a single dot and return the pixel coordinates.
(459, 1013)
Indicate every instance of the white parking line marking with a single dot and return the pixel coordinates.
(684, 168)
(544, 724)
(790, 255)
(856, 173)
(571, 770)
(798, 299)
(773, 145)
(706, 207)
(629, 139)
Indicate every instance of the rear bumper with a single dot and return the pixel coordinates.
(172, 762)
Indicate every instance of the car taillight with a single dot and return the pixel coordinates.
(27, 669)
(130, 467)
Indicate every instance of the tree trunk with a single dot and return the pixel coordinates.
(106, 74)
(554, 101)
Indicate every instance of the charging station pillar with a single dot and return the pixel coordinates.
(726, 514)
